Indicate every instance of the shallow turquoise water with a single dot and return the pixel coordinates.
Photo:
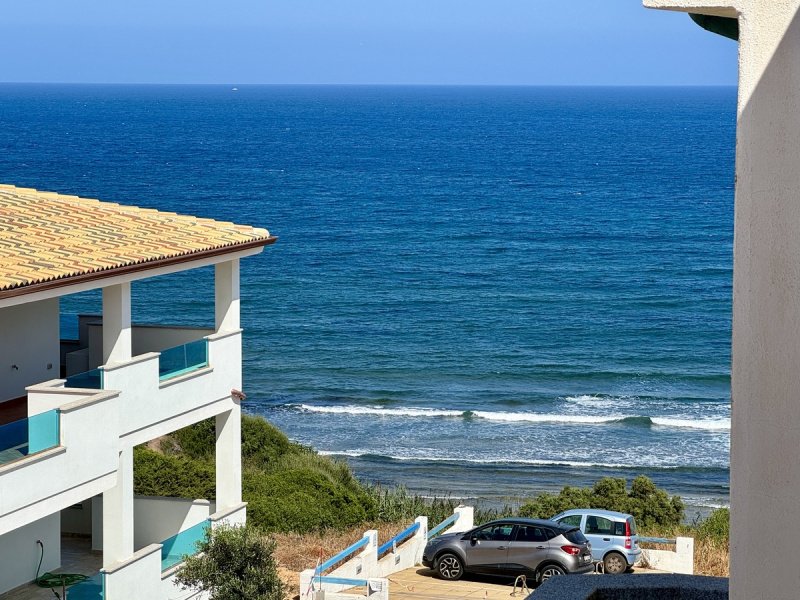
(480, 291)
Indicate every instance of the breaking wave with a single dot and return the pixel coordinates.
(718, 424)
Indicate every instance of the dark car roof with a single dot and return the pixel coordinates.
(538, 522)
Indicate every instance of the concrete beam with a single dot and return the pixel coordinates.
(713, 8)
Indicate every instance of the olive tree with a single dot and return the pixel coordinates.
(233, 563)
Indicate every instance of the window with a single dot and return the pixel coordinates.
(495, 532)
(576, 537)
(572, 520)
(599, 525)
(532, 534)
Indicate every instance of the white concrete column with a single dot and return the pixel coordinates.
(117, 323)
(229, 458)
(118, 513)
(226, 296)
(765, 375)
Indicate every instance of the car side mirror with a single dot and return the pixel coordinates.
(473, 540)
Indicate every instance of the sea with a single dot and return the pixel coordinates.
(477, 292)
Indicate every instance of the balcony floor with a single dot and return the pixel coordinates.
(76, 557)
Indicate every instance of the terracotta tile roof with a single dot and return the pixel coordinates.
(47, 237)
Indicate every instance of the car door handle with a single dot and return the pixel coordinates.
(502, 547)
(541, 547)
(606, 539)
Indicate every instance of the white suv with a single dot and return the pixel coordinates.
(613, 536)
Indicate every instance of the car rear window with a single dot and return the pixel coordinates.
(619, 528)
(575, 536)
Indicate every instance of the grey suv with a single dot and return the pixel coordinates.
(538, 548)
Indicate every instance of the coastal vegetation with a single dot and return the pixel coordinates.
(650, 506)
(233, 563)
(313, 505)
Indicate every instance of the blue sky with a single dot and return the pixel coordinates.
(527, 42)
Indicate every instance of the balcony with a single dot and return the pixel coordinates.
(26, 437)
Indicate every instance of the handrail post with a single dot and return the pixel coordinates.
(369, 556)
(420, 539)
(465, 520)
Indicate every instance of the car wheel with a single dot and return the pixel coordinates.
(449, 567)
(550, 571)
(614, 563)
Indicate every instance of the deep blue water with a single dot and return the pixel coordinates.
(479, 291)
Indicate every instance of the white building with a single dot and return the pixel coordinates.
(765, 374)
(72, 411)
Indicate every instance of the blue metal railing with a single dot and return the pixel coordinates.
(173, 549)
(352, 549)
(91, 380)
(29, 436)
(654, 540)
(446, 523)
(398, 539)
(341, 581)
(183, 359)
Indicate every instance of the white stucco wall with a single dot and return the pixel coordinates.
(765, 373)
(84, 465)
(29, 340)
(19, 553)
(151, 408)
(156, 519)
(145, 338)
(137, 577)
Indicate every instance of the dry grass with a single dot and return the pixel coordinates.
(710, 557)
(296, 552)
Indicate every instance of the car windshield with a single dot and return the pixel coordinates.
(575, 536)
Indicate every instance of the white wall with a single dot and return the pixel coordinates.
(156, 519)
(28, 339)
(137, 578)
(151, 408)
(145, 338)
(84, 465)
(19, 553)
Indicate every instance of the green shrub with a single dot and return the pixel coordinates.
(233, 563)
(303, 499)
(198, 440)
(717, 526)
(177, 476)
(263, 443)
(650, 505)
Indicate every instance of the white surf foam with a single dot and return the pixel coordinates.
(381, 411)
(517, 417)
(496, 460)
(708, 424)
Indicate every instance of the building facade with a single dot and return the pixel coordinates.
(765, 370)
(72, 411)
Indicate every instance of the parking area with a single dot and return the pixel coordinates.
(421, 583)
(417, 583)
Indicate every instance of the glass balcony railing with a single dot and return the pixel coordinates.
(29, 436)
(89, 589)
(183, 359)
(92, 380)
(184, 543)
